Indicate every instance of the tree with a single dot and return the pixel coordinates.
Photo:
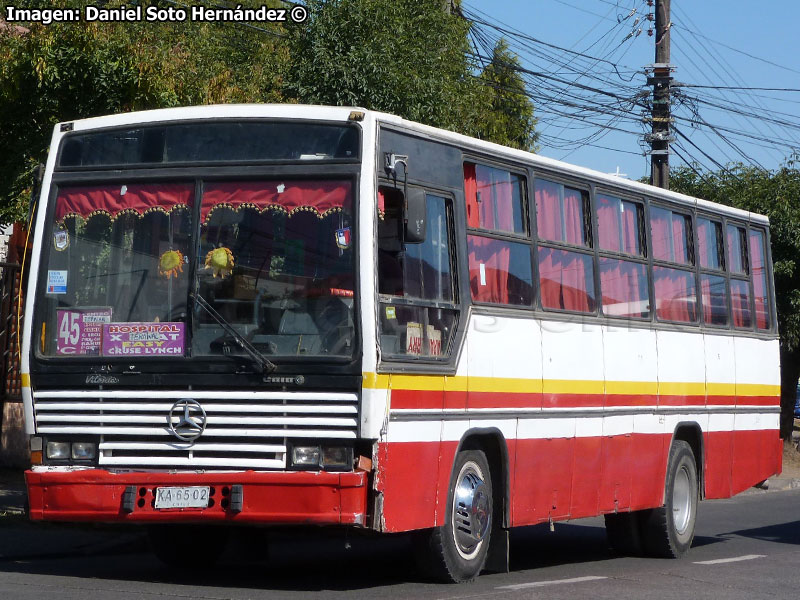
(510, 119)
(777, 195)
(405, 57)
(66, 71)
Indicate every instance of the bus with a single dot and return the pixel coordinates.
(290, 315)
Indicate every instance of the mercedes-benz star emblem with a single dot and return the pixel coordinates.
(187, 420)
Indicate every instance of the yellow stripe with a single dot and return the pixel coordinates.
(561, 386)
(757, 389)
(26, 380)
(565, 386)
(678, 388)
(721, 389)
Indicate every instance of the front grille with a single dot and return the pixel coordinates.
(244, 430)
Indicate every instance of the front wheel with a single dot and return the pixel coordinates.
(668, 531)
(456, 551)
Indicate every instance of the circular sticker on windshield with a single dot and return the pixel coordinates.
(61, 239)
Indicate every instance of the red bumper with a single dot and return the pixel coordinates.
(279, 498)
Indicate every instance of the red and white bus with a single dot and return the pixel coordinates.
(268, 314)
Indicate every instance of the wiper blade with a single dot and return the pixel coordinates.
(267, 366)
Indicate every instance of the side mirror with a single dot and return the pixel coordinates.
(414, 219)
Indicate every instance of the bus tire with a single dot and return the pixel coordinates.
(187, 546)
(624, 533)
(668, 531)
(456, 552)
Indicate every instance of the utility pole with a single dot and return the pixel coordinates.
(660, 80)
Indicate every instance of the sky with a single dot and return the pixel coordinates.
(710, 42)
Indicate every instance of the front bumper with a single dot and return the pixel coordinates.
(266, 497)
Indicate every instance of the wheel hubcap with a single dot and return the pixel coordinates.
(471, 511)
(681, 500)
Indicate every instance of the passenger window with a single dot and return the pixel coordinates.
(758, 267)
(566, 280)
(671, 236)
(675, 295)
(500, 271)
(561, 213)
(624, 288)
(740, 303)
(495, 199)
(417, 312)
(619, 225)
(714, 294)
(737, 249)
(709, 244)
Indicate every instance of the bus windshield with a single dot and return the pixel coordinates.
(273, 258)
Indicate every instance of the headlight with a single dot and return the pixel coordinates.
(83, 451)
(305, 456)
(337, 457)
(58, 450)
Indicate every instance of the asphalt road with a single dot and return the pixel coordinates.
(746, 547)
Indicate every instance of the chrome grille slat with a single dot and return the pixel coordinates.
(244, 430)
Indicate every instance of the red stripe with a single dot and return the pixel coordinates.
(436, 400)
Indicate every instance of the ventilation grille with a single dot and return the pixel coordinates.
(245, 430)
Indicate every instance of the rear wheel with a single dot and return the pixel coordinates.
(456, 551)
(668, 531)
(187, 546)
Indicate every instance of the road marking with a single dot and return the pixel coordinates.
(720, 561)
(522, 586)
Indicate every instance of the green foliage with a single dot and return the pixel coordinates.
(61, 72)
(509, 119)
(772, 193)
(405, 57)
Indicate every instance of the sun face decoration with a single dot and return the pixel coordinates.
(220, 260)
(170, 263)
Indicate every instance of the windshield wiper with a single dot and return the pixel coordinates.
(267, 366)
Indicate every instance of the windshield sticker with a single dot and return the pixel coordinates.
(80, 330)
(390, 312)
(56, 282)
(343, 238)
(143, 339)
(61, 239)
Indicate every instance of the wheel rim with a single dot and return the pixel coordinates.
(471, 516)
(681, 500)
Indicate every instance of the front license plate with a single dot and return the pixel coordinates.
(182, 497)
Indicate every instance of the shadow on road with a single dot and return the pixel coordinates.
(782, 533)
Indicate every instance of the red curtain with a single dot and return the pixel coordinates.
(661, 233)
(740, 302)
(320, 197)
(565, 280)
(624, 288)
(630, 228)
(488, 269)
(489, 194)
(679, 239)
(573, 217)
(734, 243)
(706, 240)
(471, 195)
(548, 210)
(608, 223)
(114, 200)
(759, 271)
(675, 295)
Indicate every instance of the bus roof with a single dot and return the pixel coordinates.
(339, 113)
